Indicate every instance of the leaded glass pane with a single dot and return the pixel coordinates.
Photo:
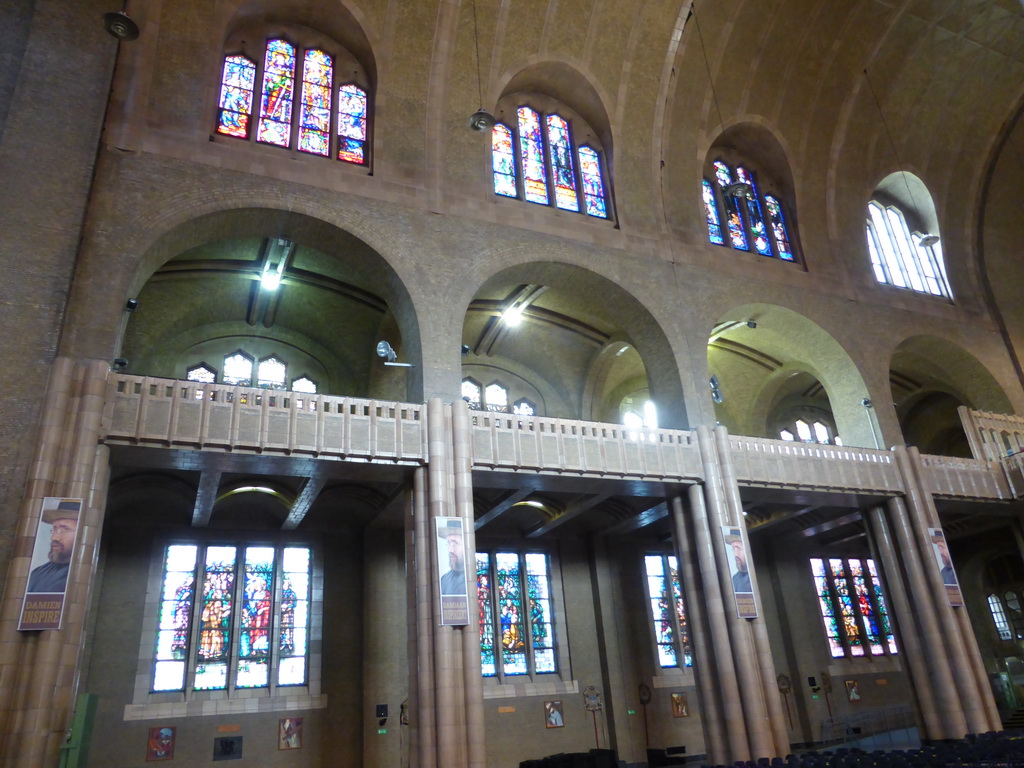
(876, 259)
(315, 105)
(733, 214)
(560, 152)
(999, 617)
(523, 408)
(238, 370)
(304, 385)
(202, 374)
(471, 393)
(803, 429)
(820, 432)
(497, 398)
(236, 88)
(211, 676)
(661, 610)
(275, 124)
(503, 162)
(677, 597)
(883, 609)
(483, 600)
(757, 226)
(293, 616)
(905, 248)
(594, 198)
(175, 622)
(711, 213)
(827, 607)
(510, 613)
(352, 109)
(893, 268)
(531, 150)
(868, 619)
(215, 618)
(272, 374)
(538, 586)
(777, 222)
(256, 610)
(785, 434)
(847, 612)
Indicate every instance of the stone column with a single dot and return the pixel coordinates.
(39, 670)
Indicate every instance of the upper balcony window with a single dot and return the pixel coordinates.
(740, 214)
(301, 102)
(539, 159)
(902, 257)
(238, 370)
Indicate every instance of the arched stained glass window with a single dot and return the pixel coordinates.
(539, 152)
(593, 184)
(352, 115)
(561, 164)
(315, 108)
(665, 593)
(711, 214)
(236, 89)
(202, 373)
(277, 94)
(514, 603)
(496, 397)
(903, 258)
(523, 408)
(304, 384)
(503, 161)
(472, 393)
(238, 370)
(751, 217)
(531, 153)
(852, 607)
(272, 374)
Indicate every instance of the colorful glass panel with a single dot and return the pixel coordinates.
(352, 109)
(661, 610)
(594, 198)
(757, 226)
(733, 214)
(510, 613)
(531, 150)
(275, 124)
(315, 104)
(215, 619)
(523, 408)
(677, 596)
(175, 623)
(483, 601)
(827, 607)
(778, 226)
(538, 592)
(564, 174)
(883, 609)
(711, 213)
(202, 374)
(503, 163)
(293, 616)
(847, 611)
(256, 609)
(236, 88)
(868, 619)
(272, 374)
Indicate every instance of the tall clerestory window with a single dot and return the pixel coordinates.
(294, 98)
(537, 159)
(739, 214)
(517, 635)
(232, 617)
(902, 257)
(665, 594)
(853, 608)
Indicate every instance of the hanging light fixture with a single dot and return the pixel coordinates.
(120, 25)
(481, 120)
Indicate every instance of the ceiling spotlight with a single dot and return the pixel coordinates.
(751, 324)
(120, 25)
(738, 189)
(465, 349)
(131, 305)
(270, 279)
(481, 120)
(927, 241)
(513, 316)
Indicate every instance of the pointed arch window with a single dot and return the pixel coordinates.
(300, 104)
(304, 384)
(202, 373)
(238, 370)
(810, 432)
(753, 220)
(524, 407)
(901, 257)
(273, 373)
(539, 160)
(853, 608)
(472, 394)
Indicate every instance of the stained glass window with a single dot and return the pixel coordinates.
(204, 374)
(852, 607)
(304, 384)
(523, 408)
(352, 111)
(751, 216)
(272, 374)
(563, 173)
(275, 125)
(238, 370)
(995, 607)
(665, 593)
(515, 610)
(496, 397)
(903, 258)
(816, 432)
(321, 119)
(315, 107)
(224, 651)
(540, 150)
(236, 88)
(471, 393)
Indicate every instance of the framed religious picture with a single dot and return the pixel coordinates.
(852, 690)
(553, 714)
(161, 743)
(289, 733)
(680, 707)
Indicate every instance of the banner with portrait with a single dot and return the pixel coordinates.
(451, 571)
(54, 548)
(940, 551)
(738, 558)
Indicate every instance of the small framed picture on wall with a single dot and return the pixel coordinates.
(680, 706)
(161, 743)
(553, 714)
(289, 734)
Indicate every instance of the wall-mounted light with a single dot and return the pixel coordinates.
(131, 305)
(387, 352)
(119, 364)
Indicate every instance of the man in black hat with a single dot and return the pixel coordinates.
(454, 581)
(52, 576)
